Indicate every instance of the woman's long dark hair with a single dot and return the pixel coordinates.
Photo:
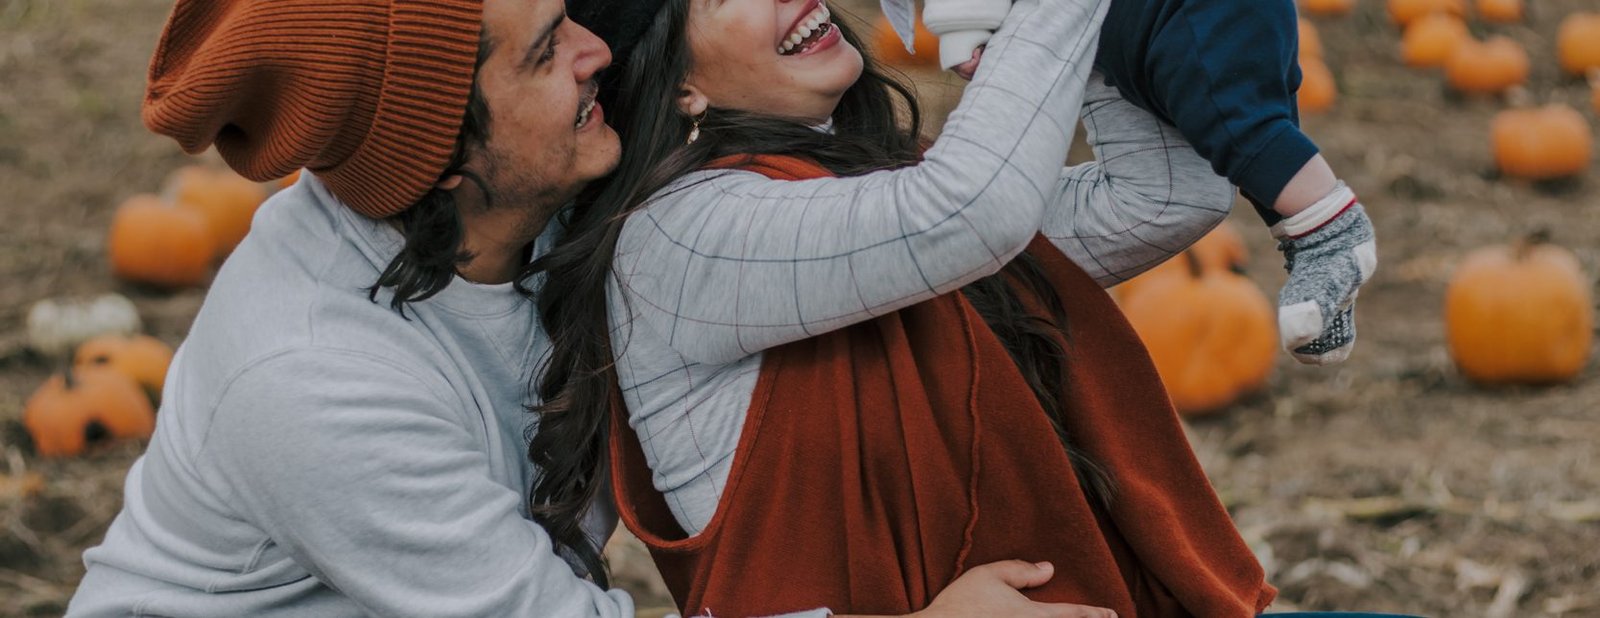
(876, 127)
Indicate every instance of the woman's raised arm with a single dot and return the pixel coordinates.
(727, 264)
(1146, 197)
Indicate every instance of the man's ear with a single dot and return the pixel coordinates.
(692, 102)
(449, 183)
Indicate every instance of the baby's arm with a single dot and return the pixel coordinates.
(962, 26)
(1146, 197)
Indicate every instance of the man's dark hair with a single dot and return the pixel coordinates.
(432, 227)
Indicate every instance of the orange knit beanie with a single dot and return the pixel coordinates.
(368, 94)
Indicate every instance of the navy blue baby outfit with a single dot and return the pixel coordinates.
(1225, 73)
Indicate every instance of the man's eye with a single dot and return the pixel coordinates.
(549, 52)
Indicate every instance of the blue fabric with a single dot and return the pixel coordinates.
(1225, 73)
(1335, 615)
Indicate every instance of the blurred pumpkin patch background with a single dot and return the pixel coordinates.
(1450, 468)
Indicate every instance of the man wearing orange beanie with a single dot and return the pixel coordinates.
(344, 431)
(323, 453)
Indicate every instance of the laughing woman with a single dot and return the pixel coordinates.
(804, 351)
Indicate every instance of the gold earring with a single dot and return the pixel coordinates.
(694, 129)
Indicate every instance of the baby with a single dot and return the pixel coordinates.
(1224, 72)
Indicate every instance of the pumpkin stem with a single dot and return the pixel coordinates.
(68, 377)
(96, 432)
(1526, 244)
(1194, 263)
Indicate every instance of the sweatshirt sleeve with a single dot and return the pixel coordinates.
(370, 481)
(726, 264)
(1146, 197)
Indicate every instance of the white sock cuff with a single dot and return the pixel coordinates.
(945, 16)
(956, 47)
(1326, 209)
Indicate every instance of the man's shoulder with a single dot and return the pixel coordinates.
(311, 383)
(301, 284)
(294, 313)
(327, 351)
(312, 363)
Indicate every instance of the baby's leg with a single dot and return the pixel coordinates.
(1314, 180)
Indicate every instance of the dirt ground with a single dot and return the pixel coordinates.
(1388, 483)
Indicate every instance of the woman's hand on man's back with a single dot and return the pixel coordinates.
(992, 590)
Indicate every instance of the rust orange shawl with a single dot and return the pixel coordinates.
(881, 460)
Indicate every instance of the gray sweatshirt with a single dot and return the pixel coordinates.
(319, 455)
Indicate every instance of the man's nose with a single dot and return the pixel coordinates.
(593, 54)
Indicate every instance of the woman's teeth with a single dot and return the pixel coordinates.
(802, 31)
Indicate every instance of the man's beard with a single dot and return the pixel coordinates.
(506, 186)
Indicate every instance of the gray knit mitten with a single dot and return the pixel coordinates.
(1329, 250)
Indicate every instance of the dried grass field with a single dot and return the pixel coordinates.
(1388, 483)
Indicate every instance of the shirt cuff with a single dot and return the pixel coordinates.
(821, 612)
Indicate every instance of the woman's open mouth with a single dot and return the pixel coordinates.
(808, 33)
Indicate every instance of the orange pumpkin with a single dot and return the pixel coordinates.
(892, 51)
(1490, 67)
(1500, 11)
(1520, 314)
(227, 200)
(141, 357)
(1430, 40)
(153, 243)
(1221, 249)
(1310, 41)
(1541, 143)
(1578, 42)
(1318, 92)
(83, 406)
(1404, 12)
(1210, 333)
(1327, 8)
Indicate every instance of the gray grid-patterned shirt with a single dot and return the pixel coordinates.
(725, 264)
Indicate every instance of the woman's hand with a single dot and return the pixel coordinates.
(991, 590)
(969, 68)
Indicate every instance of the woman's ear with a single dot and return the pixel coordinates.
(692, 102)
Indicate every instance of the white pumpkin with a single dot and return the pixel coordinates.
(56, 326)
